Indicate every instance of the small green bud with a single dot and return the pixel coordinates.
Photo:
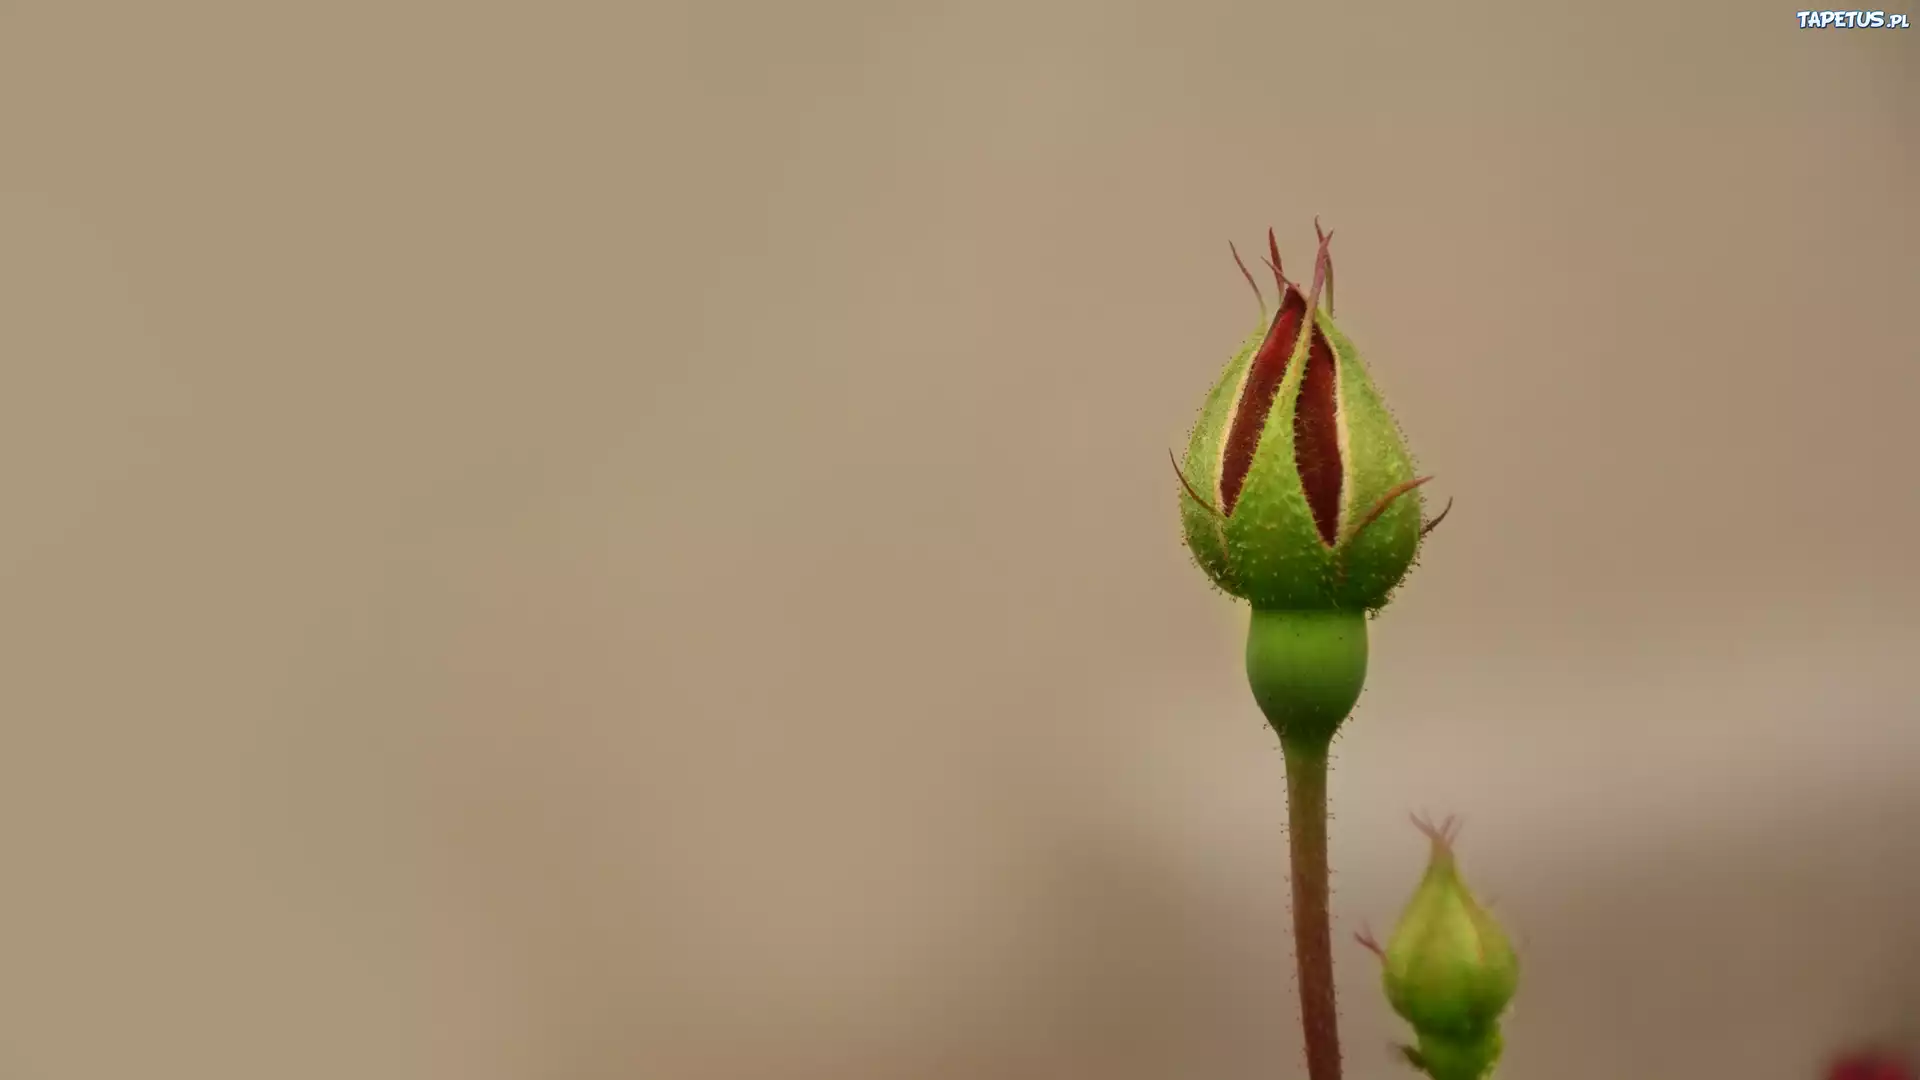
(1300, 494)
(1449, 970)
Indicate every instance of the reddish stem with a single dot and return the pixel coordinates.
(1312, 915)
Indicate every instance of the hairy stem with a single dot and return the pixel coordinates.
(1312, 916)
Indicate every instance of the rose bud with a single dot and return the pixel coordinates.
(1299, 497)
(1449, 970)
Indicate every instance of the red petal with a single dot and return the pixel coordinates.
(1269, 367)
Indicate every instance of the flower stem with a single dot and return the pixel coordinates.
(1312, 917)
(1306, 669)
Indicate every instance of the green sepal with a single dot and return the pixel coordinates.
(1204, 525)
(1371, 561)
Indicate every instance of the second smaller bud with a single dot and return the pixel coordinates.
(1449, 970)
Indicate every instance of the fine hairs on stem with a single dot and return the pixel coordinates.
(1312, 914)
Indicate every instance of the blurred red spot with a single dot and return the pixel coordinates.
(1871, 1067)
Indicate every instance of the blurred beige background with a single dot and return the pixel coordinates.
(563, 541)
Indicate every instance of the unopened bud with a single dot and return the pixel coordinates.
(1449, 970)
(1300, 494)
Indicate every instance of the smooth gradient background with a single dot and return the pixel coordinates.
(566, 541)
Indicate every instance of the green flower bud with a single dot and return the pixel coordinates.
(1449, 970)
(1300, 497)
(1300, 494)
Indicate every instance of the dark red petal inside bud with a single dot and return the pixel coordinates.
(1269, 366)
(1316, 437)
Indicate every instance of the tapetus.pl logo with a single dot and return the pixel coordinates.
(1852, 20)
